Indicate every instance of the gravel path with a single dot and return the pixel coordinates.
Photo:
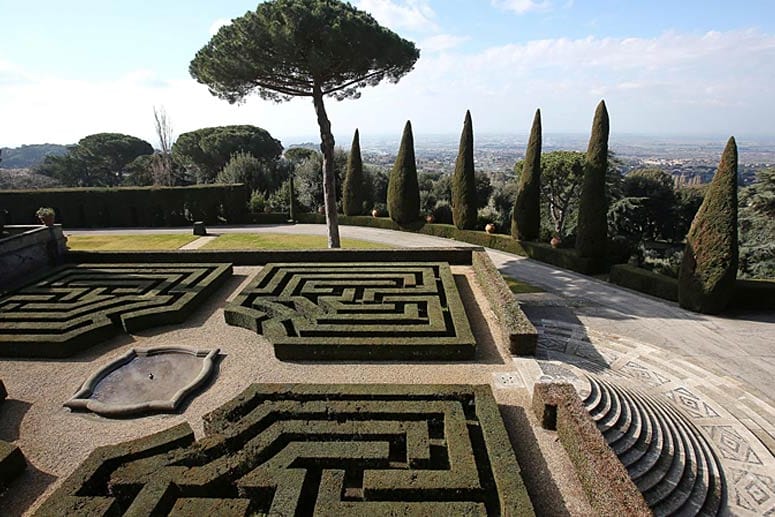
(55, 441)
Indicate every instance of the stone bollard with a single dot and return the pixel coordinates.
(199, 228)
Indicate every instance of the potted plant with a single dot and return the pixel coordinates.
(429, 218)
(556, 241)
(489, 228)
(45, 215)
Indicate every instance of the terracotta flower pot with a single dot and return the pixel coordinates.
(375, 213)
(429, 218)
(490, 228)
(555, 242)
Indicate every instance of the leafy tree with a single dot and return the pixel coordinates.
(526, 216)
(464, 203)
(258, 174)
(647, 210)
(757, 227)
(98, 160)
(307, 48)
(709, 267)
(297, 155)
(308, 179)
(205, 152)
(403, 197)
(562, 173)
(592, 227)
(353, 191)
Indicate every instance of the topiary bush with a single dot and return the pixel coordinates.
(709, 268)
(403, 197)
(526, 216)
(464, 204)
(592, 227)
(353, 188)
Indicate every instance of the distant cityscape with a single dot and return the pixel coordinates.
(688, 157)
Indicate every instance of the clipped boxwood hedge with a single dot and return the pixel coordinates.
(605, 481)
(644, 281)
(564, 258)
(135, 207)
(754, 294)
(518, 330)
(314, 449)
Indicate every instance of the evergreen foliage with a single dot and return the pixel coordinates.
(526, 216)
(403, 196)
(464, 202)
(305, 48)
(592, 227)
(709, 267)
(352, 190)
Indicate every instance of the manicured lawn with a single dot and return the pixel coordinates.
(122, 242)
(518, 286)
(281, 241)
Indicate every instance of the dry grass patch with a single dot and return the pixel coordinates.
(282, 241)
(124, 242)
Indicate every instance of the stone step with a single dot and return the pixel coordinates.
(666, 456)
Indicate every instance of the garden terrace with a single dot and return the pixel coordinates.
(77, 306)
(285, 449)
(362, 311)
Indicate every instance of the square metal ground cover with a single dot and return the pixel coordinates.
(357, 311)
(77, 306)
(297, 449)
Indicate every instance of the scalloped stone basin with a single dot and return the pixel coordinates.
(145, 381)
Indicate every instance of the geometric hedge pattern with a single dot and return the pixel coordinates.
(301, 449)
(77, 306)
(356, 311)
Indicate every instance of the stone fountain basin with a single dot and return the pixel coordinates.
(145, 380)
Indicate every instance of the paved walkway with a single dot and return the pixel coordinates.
(716, 369)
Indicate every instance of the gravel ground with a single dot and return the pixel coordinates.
(55, 441)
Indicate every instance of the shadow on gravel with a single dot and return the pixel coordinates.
(545, 495)
(11, 415)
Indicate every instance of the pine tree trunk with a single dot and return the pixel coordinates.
(329, 179)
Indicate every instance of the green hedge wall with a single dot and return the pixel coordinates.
(140, 206)
(754, 294)
(644, 281)
(564, 258)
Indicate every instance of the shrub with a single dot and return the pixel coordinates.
(709, 267)
(592, 227)
(403, 191)
(464, 181)
(353, 188)
(526, 216)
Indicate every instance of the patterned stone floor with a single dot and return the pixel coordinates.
(737, 424)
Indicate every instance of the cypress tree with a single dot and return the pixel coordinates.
(403, 194)
(526, 216)
(463, 180)
(709, 267)
(352, 189)
(592, 228)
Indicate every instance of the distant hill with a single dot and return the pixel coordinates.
(29, 156)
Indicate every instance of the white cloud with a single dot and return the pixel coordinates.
(525, 6)
(441, 42)
(413, 15)
(675, 83)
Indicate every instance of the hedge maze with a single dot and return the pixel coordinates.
(357, 311)
(77, 306)
(303, 449)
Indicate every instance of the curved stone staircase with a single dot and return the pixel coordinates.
(667, 457)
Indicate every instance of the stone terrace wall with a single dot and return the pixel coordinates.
(34, 248)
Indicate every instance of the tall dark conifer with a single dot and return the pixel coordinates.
(592, 228)
(403, 194)
(526, 216)
(709, 268)
(352, 189)
(464, 181)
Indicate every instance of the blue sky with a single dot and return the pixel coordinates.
(678, 67)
